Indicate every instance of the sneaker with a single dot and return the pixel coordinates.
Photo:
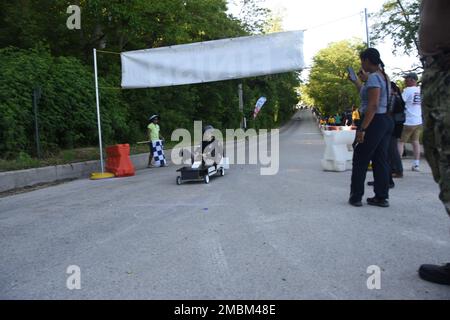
(397, 175)
(354, 203)
(435, 274)
(383, 203)
(416, 169)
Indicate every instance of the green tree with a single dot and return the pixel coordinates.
(328, 85)
(67, 115)
(115, 25)
(399, 20)
(36, 48)
(253, 15)
(305, 99)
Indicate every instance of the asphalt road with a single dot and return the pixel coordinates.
(243, 236)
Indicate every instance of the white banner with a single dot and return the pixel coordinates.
(213, 60)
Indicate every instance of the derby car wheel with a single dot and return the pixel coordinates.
(178, 180)
(207, 179)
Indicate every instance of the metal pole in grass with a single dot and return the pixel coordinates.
(97, 97)
(102, 175)
(241, 103)
(36, 97)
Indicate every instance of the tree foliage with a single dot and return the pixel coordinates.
(37, 49)
(399, 20)
(328, 86)
(253, 15)
(66, 115)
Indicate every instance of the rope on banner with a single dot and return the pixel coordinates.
(109, 52)
(110, 88)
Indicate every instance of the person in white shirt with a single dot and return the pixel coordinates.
(414, 124)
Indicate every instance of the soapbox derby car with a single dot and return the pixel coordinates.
(201, 172)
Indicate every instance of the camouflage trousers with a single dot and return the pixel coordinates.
(436, 111)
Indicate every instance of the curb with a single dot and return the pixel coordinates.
(31, 177)
(12, 180)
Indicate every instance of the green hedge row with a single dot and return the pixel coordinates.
(67, 111)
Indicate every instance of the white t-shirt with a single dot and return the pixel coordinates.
(413, 101)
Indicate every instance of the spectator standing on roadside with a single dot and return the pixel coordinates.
(399, 116)
(374, 134)
(331, 121)
(356, 117)
(397, 112)
(338, 119)
(413, 124)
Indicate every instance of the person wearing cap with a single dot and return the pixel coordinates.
(435, 52)
(412, 128)
(153, 135)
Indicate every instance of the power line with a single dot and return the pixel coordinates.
(334, 21)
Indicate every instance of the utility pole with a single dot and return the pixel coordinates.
(241, 104)
(367, 27)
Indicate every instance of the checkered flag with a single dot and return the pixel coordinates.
(158, 153)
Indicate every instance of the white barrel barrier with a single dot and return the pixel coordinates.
(338, 155)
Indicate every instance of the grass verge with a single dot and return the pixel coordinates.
(24, 161)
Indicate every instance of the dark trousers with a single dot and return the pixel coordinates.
(395, 161)
(375, 147)
(151, 155)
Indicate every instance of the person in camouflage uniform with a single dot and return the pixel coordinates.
(436, 136)
(435, 51)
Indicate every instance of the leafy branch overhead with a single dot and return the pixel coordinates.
(37, 49)
(329, 88)
(398, 20)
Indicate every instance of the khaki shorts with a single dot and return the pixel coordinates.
(411, 133)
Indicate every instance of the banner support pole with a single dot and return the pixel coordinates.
(241, 104)
(366, 18)
(97, 98)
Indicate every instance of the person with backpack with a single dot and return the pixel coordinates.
(338, 119)
(399, 116)
(397, 112)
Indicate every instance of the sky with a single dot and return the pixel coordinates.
(327, 21)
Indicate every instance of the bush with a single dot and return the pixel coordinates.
(67, 110)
